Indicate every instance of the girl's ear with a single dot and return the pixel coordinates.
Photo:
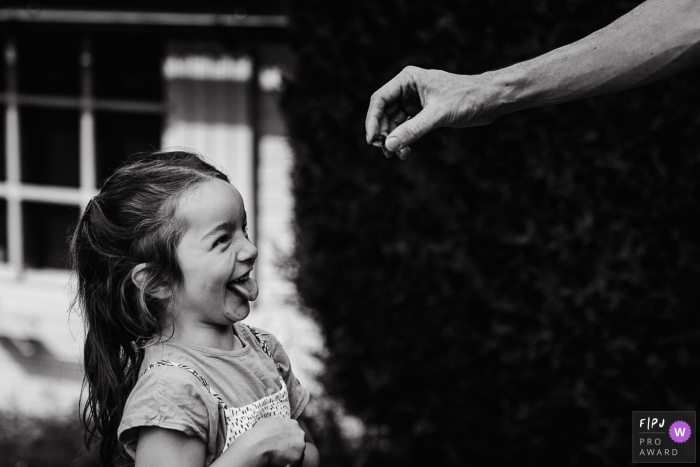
(140, 276)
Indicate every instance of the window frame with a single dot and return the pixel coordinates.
(12, 189)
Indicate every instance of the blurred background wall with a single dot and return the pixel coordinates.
(83, 86)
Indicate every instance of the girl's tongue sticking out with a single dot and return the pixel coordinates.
(245, 287)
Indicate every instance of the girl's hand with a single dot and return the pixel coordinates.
(279, 440)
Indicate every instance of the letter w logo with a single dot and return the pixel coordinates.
(679, 431)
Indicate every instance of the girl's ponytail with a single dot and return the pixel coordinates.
(132, 221)
(110, 359)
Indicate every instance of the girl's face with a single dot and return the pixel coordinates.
(215, 255)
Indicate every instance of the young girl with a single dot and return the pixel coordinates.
(174, 378)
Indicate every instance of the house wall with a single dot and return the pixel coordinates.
(35, 306)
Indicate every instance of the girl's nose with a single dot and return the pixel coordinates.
(247, 253)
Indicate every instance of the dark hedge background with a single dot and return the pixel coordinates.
(512, 292)
(27, 441)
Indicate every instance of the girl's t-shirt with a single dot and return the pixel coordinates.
(171, 397)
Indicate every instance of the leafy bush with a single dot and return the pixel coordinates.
(27, 441)
(512, 292)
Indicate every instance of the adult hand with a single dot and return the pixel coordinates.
(417, 101)
(278, 440)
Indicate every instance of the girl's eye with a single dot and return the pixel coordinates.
(245, 230)
(221, 240)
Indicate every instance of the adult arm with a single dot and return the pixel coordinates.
(275, 442)
(655, 40)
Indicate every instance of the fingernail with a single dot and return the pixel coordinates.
(392, 144)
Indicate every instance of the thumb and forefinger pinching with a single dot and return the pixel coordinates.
(399, 139)
(410, 130)
(396, 116)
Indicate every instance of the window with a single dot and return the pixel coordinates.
(74, 107)
(46, 230)
(49, 146)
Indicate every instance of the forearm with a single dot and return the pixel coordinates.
(311, 457)
(653, 41)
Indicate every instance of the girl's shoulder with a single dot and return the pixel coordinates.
(167, 377)
(168, 396)
(172, 377)
(262, 341)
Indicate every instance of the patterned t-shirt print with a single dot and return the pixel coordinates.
(241, 419)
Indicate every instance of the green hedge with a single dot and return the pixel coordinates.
(512, 292)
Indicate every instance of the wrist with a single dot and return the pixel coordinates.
(510, 90)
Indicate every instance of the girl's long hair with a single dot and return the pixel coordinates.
(131, 221)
